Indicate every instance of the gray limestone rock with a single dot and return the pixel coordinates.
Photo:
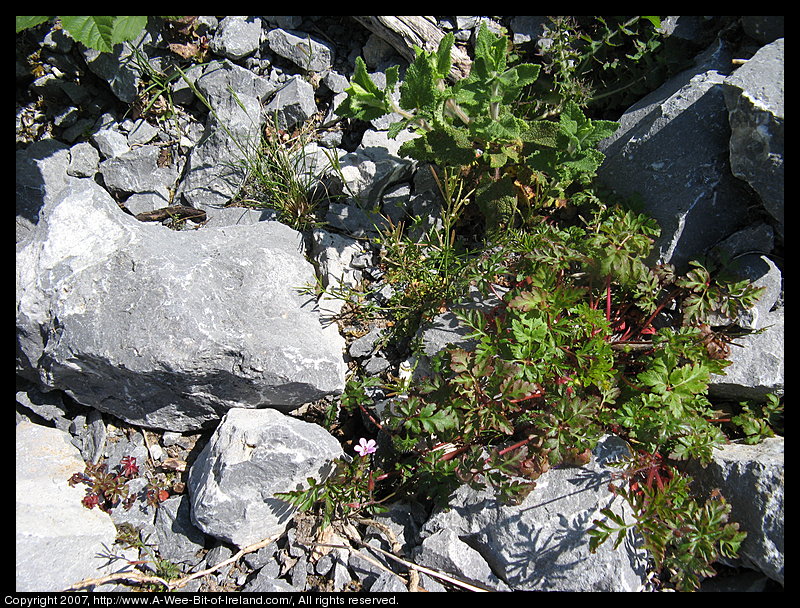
(84, 160)
(375, 166)
(765, 29)
(757, 367)
(303, 50)
(333, 255)
(236, 37)
(754, 97)
(444, 551)
(169, 329)
(217, 165)
(58, 541)
(293, 104)
(672, 150)
(41, 173)
(137, 171)
(541, 544)
(252, 455)
(110, 142)
(179, 540)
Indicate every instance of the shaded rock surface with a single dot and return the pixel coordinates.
(542, 543)
(696, 203)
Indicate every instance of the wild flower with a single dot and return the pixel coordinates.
(365, 447)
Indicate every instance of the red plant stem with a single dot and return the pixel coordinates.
(533, 396)
(519, 444)
(370, 416)
(631, 384)
(670, 296)
(608, 298)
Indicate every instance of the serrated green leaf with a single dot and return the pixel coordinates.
(527, 73)
(490, 52)
(620, 537)
(418, 88)
(23, 23)
(601, 129)
(443, 58)
(505, 129)
(689, 379)
(571, 117)
(587, 162)
(396, 127)
(436, 421)
(362, 78)
(93, 32)
(365, 100)
(655, 377)
(527, 300)
(459, 360)
(127, 28)
(518, 388)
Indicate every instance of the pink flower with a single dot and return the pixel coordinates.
(365, 447)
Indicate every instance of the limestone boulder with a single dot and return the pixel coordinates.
(51, 522)
(169, 329)
(542, 544)
(672, 151)
(217, 165)
(252, 455)
(754, 97)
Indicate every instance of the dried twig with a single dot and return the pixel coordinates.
(135, 577)
(413, 573)
(411, 565)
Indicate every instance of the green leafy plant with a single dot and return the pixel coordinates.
(600, 62)
(683, 536)
(99, 33)
(130, 537)
(513, 163)
(706, 294)
(565, 354)
(758, 421)
(570, 343)
(348, 490)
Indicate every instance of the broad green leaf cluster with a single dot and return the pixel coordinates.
(473, 123)
(99, 33)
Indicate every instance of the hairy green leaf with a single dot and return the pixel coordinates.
(365, 100)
